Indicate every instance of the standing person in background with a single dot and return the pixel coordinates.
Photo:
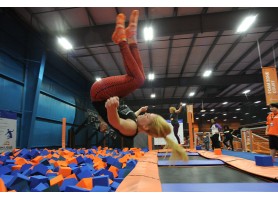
(206, 140)
(228, 137)
(215, 134)
(175, 121)
(272, 129)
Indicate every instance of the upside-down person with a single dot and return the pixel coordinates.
(106, 93)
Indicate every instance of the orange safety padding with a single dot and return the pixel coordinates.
(2, 186)
(245, 165)
(86, 183)
(217, 151)
(72, 160)
(144, 177)
(61, 163)
(65, 171)
(57, 180)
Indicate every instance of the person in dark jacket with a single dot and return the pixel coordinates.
(175, 121)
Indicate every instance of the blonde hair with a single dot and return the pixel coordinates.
(172, 109)
(160, 128)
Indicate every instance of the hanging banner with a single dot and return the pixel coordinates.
(8, 124)
(270, 84)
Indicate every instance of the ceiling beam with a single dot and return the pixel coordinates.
(177, 25)
(201, 81)
(154, 102)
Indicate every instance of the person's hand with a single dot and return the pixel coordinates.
(103, 127)
(144, 108)
(112, 103)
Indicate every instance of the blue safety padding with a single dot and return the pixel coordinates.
(220, 187)
(169, 154)
(190, 163)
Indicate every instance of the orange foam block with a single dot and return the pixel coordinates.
(65, 171)
(217, 152)
(57, 180)
(86, 183)
(2, 186)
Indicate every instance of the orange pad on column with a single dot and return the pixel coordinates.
(217, 152)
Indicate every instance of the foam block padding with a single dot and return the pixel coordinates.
(98, 188)
(263, 160)
(101, 180)
(198, 147)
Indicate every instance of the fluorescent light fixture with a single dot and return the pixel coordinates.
(246, 113)
(246, 23)
(203, 115)
(208, 120)
(191, 94)
(64, 43)
(238, 109)
(224, 103)
(241, 119)
(212, 110)
(215, 117)
(151, 76)
(98, 78)
(257, 102)
(254, 116)
(225, 120)
(197, 118)
(224, 114)
(152, 95)
(264, 108)
(148, 33)
(234, 117)
(246, 91)
(153, 106)
(183, 104)
(207, 73)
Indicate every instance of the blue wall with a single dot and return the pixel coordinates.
(40, 103)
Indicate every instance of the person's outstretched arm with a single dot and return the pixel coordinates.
(127, 127)
(142, 109)
(179, 110)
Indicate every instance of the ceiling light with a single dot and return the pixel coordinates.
(246, 23)
(246, 113)
(246, 91)
(151, 76)
(152, 95)
(234, 117)
(203, 115)
(148, 33)
(183, 104)
(241, 119)
(191, 94)
(264, 108)
(98, 78)
(254, 116)
(207, 73)
(238, 109)
(197, 118)
(224, 114)
(224, 103)
(64, 43)
(225, 120)
(257, 102)
(212, 110)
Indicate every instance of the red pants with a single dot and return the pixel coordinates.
(121, 85)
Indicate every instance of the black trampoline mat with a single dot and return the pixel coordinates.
(190, 158)
(205, 174)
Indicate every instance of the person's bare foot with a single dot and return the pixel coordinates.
(131, 30)
(119, 33)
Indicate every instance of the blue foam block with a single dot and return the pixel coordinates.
(101, 180)
(6, 178)
(40, 187)
(75, 189)
(198, 147)
(68, 182)
(79, 160)
(84, 174)
(98, 188)
(36, 180)
(131, 164)
(110, 174)
(39, 169)
(21, 186)
(115, 185)
(18, 178)
(118, 180)
(4, 170)
(263, 160)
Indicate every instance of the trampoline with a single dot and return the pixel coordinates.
(200, 174)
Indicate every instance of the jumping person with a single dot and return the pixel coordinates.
(174, 120)
(106, 93)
